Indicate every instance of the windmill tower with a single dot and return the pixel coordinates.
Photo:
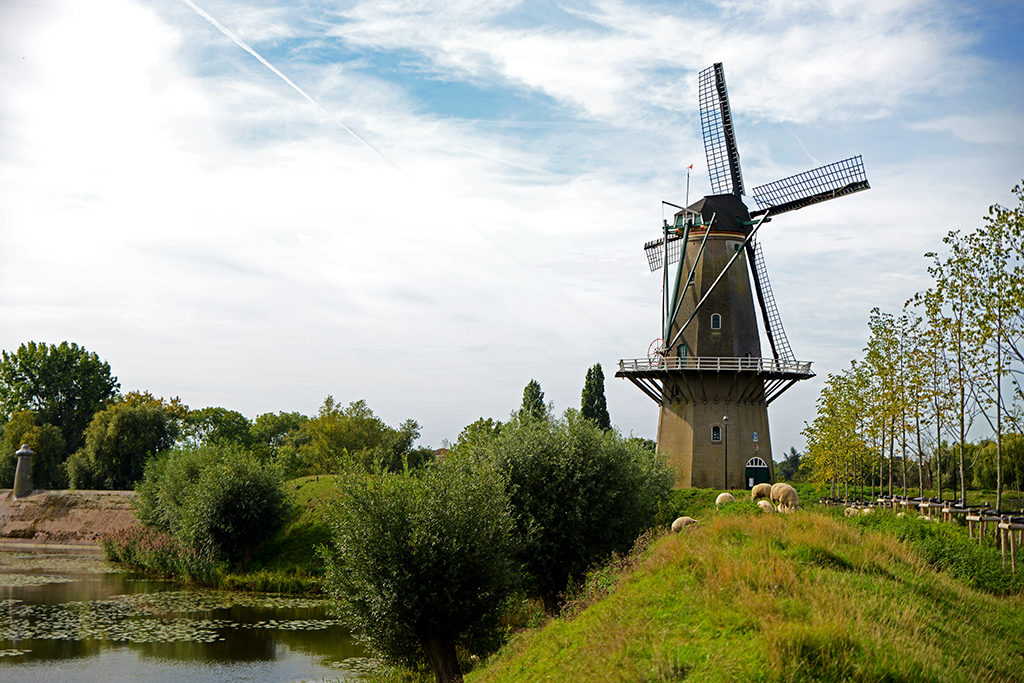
(707, 372)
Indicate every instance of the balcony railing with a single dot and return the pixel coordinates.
(715, 364)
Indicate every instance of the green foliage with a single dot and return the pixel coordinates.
(45, 440)
(594, 406)
(217, 499)
(118, 442)
(477, 433)
(533, 407)
(787, 469)
(279, 435)
(216, 426)
(352, 437)
(423, 561)
(578, 493)
(63, 384)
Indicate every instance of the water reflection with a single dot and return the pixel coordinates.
(69, 615)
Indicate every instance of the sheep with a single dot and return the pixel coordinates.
(683, 522)
(865, 511)
(789, 500)
(724, 498)
(776, 491)
(761, 491)
(850, 512)
(765, 506)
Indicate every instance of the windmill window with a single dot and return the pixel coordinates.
(716, 434)
(683, 350)
(716, 321)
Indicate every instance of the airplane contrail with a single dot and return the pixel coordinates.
(242, 44)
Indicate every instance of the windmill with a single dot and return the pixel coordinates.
(706, 371)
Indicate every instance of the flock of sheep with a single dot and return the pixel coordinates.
(768, 496)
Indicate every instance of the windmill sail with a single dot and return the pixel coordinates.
(769, 311)
(810, 187)
(655, 252)
(719, 137)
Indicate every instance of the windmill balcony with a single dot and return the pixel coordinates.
(766, 366)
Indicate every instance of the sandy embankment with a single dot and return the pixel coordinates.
(69, 518)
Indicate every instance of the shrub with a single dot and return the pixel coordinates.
(219, 499)
(578, 494)
(158, 551)
(422, 561)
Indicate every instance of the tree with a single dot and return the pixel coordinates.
(45, 440)
(419, 563)
(352, 436)
(594, 406)
(216, 425)
(533, 402)
(65, 385)
(578, 494)
(787, 469)
(478, 433)
(118, 442)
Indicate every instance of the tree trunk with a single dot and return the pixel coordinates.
(963, 409)
(440, 650)
(938, 448)
(999, 412)
(920, 455)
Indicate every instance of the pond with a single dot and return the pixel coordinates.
(69, 615)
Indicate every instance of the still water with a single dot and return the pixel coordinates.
(69, 616)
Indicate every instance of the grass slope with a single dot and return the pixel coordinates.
(777, 597)
(288, 562)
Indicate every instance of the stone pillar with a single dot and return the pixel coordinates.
(23, 475)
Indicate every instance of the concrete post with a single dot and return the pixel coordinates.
(23, 475)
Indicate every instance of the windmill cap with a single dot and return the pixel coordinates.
(25, 450)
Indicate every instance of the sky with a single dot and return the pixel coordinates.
(427, 204)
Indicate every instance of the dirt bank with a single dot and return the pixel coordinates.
(64, 517)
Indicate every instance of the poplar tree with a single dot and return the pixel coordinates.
(594, 406)
(533, 407)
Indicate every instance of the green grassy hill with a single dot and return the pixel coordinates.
(805, 596)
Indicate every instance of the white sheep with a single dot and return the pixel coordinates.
(865, 511)
(683, 522)
(724, 498)
(765, 506)
(850, 512)
(761, 491)
(789, 500)
(776, 491)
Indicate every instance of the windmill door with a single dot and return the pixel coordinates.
(757, 472)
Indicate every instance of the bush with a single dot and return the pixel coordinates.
(219, 499)
(423, 561)
(158, 551)
(578, 494)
